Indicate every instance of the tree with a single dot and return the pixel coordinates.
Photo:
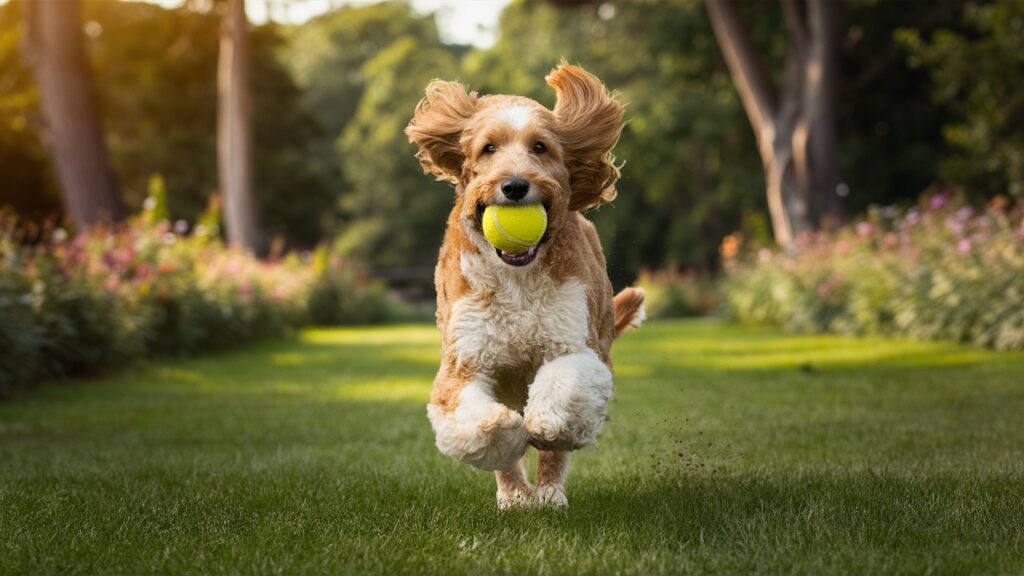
(327, 57)
(399, 214)
(327, 54)
(795, 123)
(234, 131)
(156, 68)
(363, 69)
(55, 50)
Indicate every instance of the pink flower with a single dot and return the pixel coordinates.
(864, 229)
(938, 201)
(109, 259)
(829, 285)
(963, 246)
(955, 226)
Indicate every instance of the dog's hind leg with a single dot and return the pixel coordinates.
(514, 490)
(552, 468)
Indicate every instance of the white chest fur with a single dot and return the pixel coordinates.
(515, 317)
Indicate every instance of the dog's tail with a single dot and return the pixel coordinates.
(629, 310)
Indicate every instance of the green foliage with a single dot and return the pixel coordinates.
(21, 335)
(327, 54)
(890, 127)
(363, 70)
(940, 271)
(343, 294)
(400, 212)
(155, 205)
(977, 72)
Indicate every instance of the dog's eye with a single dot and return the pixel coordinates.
(540, 148)
(490, 149)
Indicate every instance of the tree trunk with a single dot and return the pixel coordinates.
(820, 101)
(234, 131)
(794, 125)
(56, 53)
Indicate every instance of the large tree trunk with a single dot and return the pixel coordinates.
(234, 131)
(795, 125)
(56, 52)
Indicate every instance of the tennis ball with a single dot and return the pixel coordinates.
(514, 228)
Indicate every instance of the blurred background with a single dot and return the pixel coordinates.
(178, 174)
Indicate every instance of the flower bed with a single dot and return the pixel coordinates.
(941, 270)
(77, 306)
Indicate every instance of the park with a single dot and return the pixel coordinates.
(223, 341)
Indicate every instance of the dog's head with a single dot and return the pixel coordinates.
(510, 149)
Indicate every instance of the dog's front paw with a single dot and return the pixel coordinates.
(490, 437)
(552, 496)
(511, 498)
(568, 402)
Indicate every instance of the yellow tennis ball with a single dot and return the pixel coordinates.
(514, 228)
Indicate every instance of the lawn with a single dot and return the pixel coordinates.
(729, 450)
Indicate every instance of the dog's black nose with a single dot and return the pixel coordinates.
(515, 188)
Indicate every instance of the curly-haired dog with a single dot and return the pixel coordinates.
(525, 337)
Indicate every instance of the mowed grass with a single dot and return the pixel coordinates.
(730, 450)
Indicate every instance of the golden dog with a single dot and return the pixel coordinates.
(525, 337)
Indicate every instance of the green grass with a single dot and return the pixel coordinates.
(729, 450)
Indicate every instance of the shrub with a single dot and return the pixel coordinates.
(147, 289)
(344, 294)
(673, 294)
(940, 270)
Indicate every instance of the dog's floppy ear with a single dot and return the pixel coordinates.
(589, 122)
(437, 125)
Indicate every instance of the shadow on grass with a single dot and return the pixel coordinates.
(777, 520)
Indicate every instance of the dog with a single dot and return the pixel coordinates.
(525, 337)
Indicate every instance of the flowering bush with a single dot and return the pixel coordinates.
(940, 270)
(672, 293)
(145, 289)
